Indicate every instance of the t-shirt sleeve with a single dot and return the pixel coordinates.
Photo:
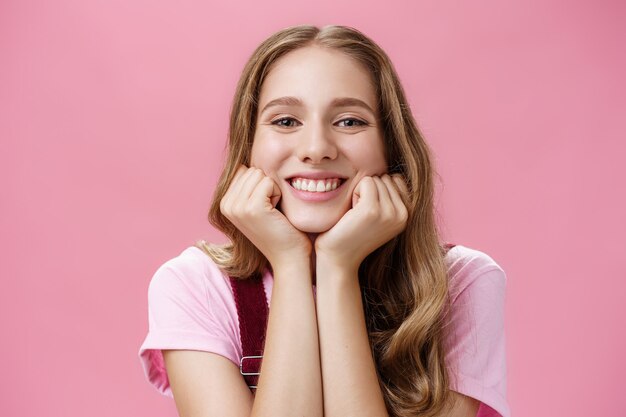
(185, 311)
(475, 353)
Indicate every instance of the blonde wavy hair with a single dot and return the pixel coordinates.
(404, 282)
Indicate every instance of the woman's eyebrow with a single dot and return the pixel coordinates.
(337, 102)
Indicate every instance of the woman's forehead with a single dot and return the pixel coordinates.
(312, 75)
(337, 102)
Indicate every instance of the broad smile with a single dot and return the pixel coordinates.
(316, 190)
(315, 185)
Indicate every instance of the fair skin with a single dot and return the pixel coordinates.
(317, 359)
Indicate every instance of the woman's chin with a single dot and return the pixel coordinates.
(308, 225)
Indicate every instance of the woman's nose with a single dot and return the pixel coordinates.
(316, 144)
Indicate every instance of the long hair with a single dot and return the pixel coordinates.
(403, 282)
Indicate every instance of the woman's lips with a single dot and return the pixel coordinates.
(316, 196)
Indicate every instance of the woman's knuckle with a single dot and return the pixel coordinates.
(224, 206)
(238, 212)
(373, 213)
(250, 211)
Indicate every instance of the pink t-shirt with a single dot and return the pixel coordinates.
(191, 307)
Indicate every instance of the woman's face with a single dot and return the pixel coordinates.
(317, 129)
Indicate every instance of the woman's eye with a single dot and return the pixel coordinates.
(352, 120)
(283, 119)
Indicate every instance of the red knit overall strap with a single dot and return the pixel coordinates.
(253, 312)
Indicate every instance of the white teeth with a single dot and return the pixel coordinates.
(314, 186)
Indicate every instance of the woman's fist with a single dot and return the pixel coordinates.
(250, 205)
(378, 214)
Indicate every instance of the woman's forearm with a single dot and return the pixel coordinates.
(350, 383)
(290, 383)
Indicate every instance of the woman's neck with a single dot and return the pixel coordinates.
(312, 236)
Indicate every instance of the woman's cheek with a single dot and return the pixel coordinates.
(268, 152)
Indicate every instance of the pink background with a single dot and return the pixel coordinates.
(113, 117)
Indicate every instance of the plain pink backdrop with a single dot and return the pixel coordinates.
(113, 119)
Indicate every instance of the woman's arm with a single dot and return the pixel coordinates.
(349, 378)
(290, 383)
(206, 385)
(349, 375)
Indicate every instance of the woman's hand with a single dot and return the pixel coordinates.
(378, 214)
(250, 204)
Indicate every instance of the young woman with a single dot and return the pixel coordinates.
(327, 198)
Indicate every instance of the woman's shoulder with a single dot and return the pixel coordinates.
(475, 334)
(190, 307)
(466, 266)
(190, 257)
(190, 268)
